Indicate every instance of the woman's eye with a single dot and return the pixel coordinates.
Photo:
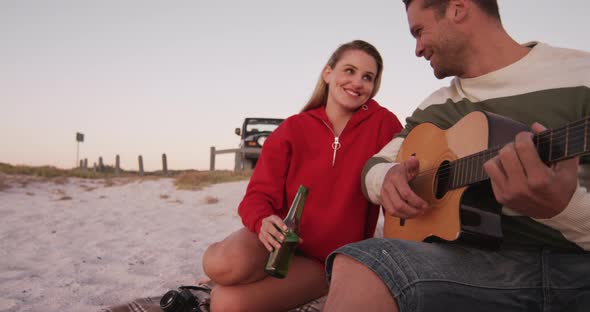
(349, 71)
(368, 78)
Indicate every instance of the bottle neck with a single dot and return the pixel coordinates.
(294, 216)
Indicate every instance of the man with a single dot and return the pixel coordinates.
(543, 263)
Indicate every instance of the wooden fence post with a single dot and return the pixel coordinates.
(212, 159)
(241, 160)
(140, 159)
(117, 164)
(237, 161)
(164, 164)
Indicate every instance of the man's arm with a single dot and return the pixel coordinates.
(574, 221)
(386, 182)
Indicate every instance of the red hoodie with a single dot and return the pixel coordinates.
(299, 152)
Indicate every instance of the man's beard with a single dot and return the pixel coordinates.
(450, 57)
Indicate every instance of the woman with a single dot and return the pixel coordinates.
(324, 148)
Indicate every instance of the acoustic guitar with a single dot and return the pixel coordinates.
(453, 182)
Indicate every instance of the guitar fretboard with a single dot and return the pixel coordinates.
(552, 145)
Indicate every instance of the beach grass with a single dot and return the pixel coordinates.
(184, 179)
(48, 171)
(196, 180)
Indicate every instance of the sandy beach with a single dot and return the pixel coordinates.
(82, 245)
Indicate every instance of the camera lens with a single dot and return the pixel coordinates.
(179, 301)
(170, 302)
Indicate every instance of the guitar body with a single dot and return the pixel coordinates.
(469, 213)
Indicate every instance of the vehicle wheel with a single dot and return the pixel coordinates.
(249, 163)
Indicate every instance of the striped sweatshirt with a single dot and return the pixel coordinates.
(549, 85)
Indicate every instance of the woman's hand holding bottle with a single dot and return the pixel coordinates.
(270, 235)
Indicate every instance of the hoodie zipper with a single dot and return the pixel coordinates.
(335, 145)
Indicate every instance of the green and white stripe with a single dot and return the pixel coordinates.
(549, 85)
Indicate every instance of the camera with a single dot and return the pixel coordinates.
(181, 300)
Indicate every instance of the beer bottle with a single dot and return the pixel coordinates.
(279, 259)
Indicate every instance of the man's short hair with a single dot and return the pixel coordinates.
(490, 7)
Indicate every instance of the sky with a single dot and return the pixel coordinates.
(144, 77)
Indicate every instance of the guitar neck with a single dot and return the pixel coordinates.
(552, 145)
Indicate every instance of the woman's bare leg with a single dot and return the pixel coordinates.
(236, 266)
(305, 281)
(238, 259)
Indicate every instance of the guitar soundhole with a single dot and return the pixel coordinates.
(441, 181)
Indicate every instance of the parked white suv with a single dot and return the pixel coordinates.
(253, 133)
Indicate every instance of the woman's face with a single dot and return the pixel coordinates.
(351, 81)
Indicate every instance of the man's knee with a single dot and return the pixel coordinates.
(348, 271)
(356, 287)
(344, 263)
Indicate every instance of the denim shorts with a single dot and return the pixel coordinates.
(453, 277)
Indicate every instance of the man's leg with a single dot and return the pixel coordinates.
(433, 277)
(354, 287)
(567, 281)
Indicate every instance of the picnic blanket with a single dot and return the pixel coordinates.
(152, 304)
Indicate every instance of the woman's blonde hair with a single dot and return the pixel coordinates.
(319, 97)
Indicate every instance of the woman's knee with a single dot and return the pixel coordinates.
(211, 259)
(220, 266)
(233, 261)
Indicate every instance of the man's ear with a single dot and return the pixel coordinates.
(457, 10)
(326, 73)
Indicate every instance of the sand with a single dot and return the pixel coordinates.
(82, 245)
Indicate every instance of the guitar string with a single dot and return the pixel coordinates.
(467, 161)
(543, 135)
(574, 131)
